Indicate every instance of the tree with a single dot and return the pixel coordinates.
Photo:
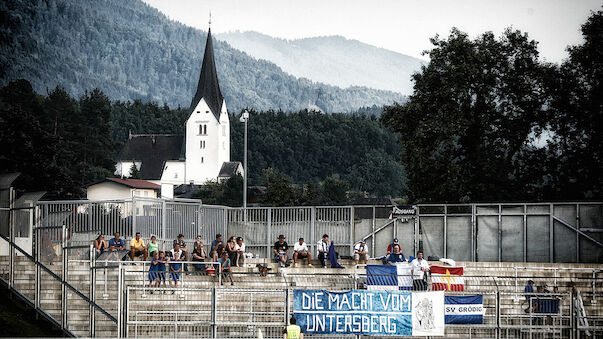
(576, 146)
(468, 130)
(134, 172)
(279, 190)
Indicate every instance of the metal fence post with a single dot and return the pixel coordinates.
(473, 234)
(373, 233)
(163, 221)
(11, 237)
(134, 214)
(551, 233)
(287, 310)
(499, 233)
(417, 222)
(268, 231)
(445, 229)
(119, 303)
(498, 314)
(312, 230)
(213, 313)
(65, 253)
(352, 230)
(92, 289)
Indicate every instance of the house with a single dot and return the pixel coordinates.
(117, 188)
(229, 170)
(196, 156)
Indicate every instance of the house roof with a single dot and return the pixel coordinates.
(132, 183)
(208, 87)
(229, 169)
(153, 150)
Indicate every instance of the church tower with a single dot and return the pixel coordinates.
(207, 134)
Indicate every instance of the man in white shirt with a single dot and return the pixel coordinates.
(361, 252)
(301, 252)
(323, 250)
(419, 268)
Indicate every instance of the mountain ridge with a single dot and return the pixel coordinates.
(331, 59)
(131, 51)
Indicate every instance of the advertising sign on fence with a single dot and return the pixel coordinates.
(369, 312)
(464, 309)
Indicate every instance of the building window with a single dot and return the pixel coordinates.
(202, 144)
(202, 129)
(206, 112)
(198, 111)
(201, 159)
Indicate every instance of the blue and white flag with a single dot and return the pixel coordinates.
(464, 309)
(389, 277)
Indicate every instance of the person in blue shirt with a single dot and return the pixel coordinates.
(176, 269)
(396, 255)
(116, 244)
(225, 267)
(154, 271)
(161, 267)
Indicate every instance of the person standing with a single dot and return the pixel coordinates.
(361, 252)
(292, 331)
(323, 250)
(418, 271)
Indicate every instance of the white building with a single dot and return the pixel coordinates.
(196, 157)
(117, 189)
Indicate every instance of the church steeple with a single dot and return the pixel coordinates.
(208, 87)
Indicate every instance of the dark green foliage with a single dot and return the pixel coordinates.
(132, 51)
(134, 172)
(309, 147)
(228, 193)
(488, 121)
(576, 148)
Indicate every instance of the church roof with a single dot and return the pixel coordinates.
(153, 150)
(208, 87)
(229, 169)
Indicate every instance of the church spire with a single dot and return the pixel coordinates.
(208, 87)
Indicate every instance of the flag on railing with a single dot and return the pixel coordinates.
(447, 278)
(389, 277)
(467, 309)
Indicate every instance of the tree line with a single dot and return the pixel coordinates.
(60, 143)
(489, 121)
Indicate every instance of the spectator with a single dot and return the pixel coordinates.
(137, 247)
(154, 271)
(300, 252)
(293, 331)
(100, 245)
(361, 252)
(418, 271)
(180, 241)
(199, 255)
(116, 243)
(281, 251)
(230, 249)
(396, 256)
(214, 247)
(225, 268)
(176, 252)
(175, 269)
(390, 247)
(161, 271)
(240, 249)
(323, 250)
(153, 246)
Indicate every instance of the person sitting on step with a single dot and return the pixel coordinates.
(300, 252)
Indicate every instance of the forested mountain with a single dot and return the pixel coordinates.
(332, 60)
(130, 50)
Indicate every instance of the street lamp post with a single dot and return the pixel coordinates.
(244, 118)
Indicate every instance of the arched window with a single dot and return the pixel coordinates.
(205, 129)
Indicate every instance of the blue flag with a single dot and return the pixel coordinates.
(333, 257)
(464, 309)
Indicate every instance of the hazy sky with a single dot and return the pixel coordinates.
(403, 26)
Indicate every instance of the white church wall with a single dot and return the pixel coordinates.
(203, 160)
(173, 173)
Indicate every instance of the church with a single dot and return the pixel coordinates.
(201, 154)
